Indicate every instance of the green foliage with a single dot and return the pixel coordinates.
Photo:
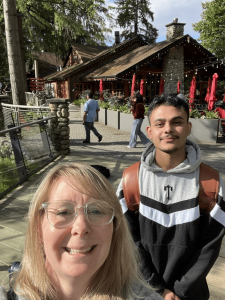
(133, 16)
(210, 114)
(53, 25)
(104, 105)
(212, 27)
(206, 114)
(125, 109)
(7, 166)
(194, 113)
(79, 101)
(146, 110)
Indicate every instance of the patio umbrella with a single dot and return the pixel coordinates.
(142, 87)
(212, 97)
(208, 90)
(178, 87)
(161, 86)
(133, 85)
(192, 92)
(101, 90)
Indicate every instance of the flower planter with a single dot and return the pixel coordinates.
(204, 130)
(113, 119)
(126, 122)
(82, 110)
(102, 116)
(144, 125)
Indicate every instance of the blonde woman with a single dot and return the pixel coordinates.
(78, 245)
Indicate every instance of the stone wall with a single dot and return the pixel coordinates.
(173, 64)
(59, 127)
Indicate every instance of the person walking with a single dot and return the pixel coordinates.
(90, 109)
(180, 224)
(138, 111)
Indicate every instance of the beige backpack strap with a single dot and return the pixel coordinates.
(208, 188)
(131, 186)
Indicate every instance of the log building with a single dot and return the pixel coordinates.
(178, 58)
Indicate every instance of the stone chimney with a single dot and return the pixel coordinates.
(174, 29)
(117, 37)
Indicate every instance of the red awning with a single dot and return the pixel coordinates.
(133, 88)
(221, 112)
(142, 87)
(161, 86)
(208, 90)
(192, 92)
(212, 97)
(101, 88)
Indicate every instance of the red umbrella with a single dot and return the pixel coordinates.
(178, 87)
(142, 87)
(161, 86)
(192, 92)
(208, 90)
(101, 90)
(133, 85)
(224, 98)
(212, 97)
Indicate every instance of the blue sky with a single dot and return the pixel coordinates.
(187, 11)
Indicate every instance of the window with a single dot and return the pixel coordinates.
(152, 86)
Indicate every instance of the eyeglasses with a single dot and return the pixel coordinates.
(63, 213)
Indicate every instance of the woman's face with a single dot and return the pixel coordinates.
(79, 249)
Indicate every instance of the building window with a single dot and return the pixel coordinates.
(118, 89)
(152, 87)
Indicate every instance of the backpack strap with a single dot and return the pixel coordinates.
(209, 182)
(131, 186)
(208, 187)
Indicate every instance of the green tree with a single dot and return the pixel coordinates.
(53, 25)
(134, 17)
(212, 27)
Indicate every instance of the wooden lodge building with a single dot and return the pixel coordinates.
(178, 58)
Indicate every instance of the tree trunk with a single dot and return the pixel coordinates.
(20, 29)
(14, 53)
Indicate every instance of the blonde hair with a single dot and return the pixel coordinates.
(114, 278)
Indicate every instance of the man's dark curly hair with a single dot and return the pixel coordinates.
(174, 100)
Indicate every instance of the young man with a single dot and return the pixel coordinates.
(90, 109)
(178, 244)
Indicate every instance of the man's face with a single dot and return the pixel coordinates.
(169, 128)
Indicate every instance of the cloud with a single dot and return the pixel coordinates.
(187, 11)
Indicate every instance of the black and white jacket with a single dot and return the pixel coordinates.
(178, 246)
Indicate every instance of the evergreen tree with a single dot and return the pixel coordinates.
(212, 27)
(134, 17)
(53, 25)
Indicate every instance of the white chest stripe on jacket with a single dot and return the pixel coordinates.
(172, 219)
(124, 205)
(218, 214)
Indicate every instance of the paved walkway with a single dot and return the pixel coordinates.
(113, 153)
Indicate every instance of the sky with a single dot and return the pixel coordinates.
(187, 11)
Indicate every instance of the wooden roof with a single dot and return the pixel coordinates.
(132, 58)
(48, 57)
(102, 55)
(87, 52)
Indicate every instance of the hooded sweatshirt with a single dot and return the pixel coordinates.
(178, 245)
